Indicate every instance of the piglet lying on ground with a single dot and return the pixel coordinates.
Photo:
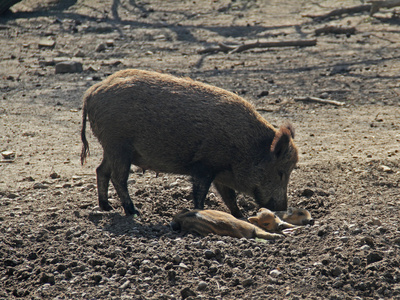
(265, 225)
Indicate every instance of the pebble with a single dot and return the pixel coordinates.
(344, 239)
(202, 286)
(385, 169)
(209, 254)
(8, 154)
(39, 185)
(248, 282)
(336, 271)
(46, 43)
(101, 47)
(374, 257)
(365, 248)
(248, 253)
(275, 273)
(125, 285)
(68, 67)
(79, 53)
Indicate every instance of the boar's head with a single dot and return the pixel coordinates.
(271, 187)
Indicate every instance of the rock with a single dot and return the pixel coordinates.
(248, 253)
(374, 221)
(79, 53)
(101, 47)
(39, 185)
(374, 257)
(248, 282)
(356, 261)
(54, 175)
(209, 254)
(187, 292)
(46, 278)
(263, 94)
(275, 273)
(125, 285)
(307, 193)
(46, 43)
(69, 67)
(385, 169)
(110, 43)
(176, 259)
(202, 286)
(336, 271)
(8, 154)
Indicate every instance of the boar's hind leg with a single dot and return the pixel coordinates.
(229, 197)
(119, 176)
(202, 179)
(103, 178)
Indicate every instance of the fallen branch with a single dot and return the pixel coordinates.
(376, 5)
(319, 100)
(371, 8)
(341, 11)
(240, 48)
(335, 30)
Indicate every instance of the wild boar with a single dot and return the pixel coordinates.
(178, 125)
(207, 221)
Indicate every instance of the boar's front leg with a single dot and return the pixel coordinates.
(202, 178)
(229, 197)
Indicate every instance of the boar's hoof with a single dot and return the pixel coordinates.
(131, 210)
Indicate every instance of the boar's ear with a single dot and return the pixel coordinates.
(281, 143)
(253, 220)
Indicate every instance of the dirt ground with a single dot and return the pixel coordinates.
(54, 241)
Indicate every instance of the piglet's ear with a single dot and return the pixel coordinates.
(253, 220)
(281, 143)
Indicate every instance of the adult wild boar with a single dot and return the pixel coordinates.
(177, 125)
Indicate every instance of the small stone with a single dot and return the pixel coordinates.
(187, 292)
(69, 67)
(110, 43)
(176, 259)
(79, 53)
(374, 257)
(385, 169)
(46, 43)
(365, 248)
(307, 193)
(248, 253)
(101, 47)
(202, 286)
(344, 239)
(54, 175)
(248, 282)
(8, 154)
(374, 221)
(275, 273)
(39, 185)
(209, 254)
(356, 261)
(336, 271)
(125, 285)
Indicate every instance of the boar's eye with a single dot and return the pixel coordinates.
(300, 213)
(266, 224)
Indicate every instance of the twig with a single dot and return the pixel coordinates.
(341, 11)
(376, 5)
(240, 48)
(319, 100)
(335, 30)
(372, 8)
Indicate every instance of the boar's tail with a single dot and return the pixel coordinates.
(85, 147)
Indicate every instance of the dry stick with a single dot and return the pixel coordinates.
(240, 48)
(372, 8)
(376, 5)
(341, 11)
(319, 100)
(335, 30)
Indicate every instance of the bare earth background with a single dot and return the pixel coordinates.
(55, 243)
